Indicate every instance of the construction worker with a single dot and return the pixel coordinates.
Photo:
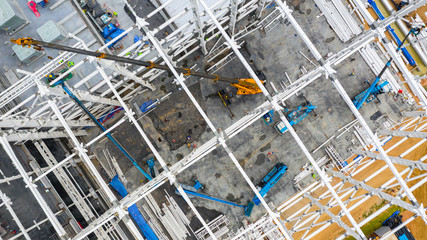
(70, 64)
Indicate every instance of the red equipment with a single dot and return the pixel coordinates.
(33, 6)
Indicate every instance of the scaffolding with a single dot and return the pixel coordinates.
(31, 111)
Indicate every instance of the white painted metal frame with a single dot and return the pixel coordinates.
(47, 105)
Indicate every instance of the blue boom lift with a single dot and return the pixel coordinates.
(191, 190)
(391, 31)
(378, 89)
(150, 163)
(61, 82)
(270, 180)
(295, 116)
(394, 221)
(370, 90)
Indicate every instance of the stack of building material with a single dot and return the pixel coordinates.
(152, 213)
(376, 64)
(340, 19)
(336, 157)
(170, 216)
(308, 169)
(219, 227)
(362, 136)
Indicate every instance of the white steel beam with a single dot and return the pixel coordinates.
(85, 158)
(199, 25)
(362, 7)
(287, 14)
(277, 108)
(82, 95)
(415, 114)
(129, 114)
(408, 76)
(68, 185)
(335, 218)
(397, 160)
(375, 191)
(16, 177)
(38, 123)
(33, 188)
(409, 134)
(233, 16)
(82, 152)
(17, 136)
(7, 202)
(378, 146)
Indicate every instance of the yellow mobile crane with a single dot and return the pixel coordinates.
(245, 86)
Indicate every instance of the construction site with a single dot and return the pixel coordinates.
(213, 119)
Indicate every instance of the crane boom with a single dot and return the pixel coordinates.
(244, 86)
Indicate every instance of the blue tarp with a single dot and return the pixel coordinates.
(134, 211)
(146, 106)
(108, 30)
(114, 35)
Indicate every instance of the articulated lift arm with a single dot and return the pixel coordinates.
(377, 79)
(244, 86)
(109, 136)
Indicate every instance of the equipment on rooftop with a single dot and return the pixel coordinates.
(270, 180)
(295, 116)
(33, 6)
(42, 3)
(244, 86)
(10, 19)
(51, 32)
(26, 55)
(369, 91)
(93, 8)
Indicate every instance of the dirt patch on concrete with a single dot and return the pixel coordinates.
(177, 118)
(260, 159)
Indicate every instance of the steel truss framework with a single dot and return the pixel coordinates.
(50, 109)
